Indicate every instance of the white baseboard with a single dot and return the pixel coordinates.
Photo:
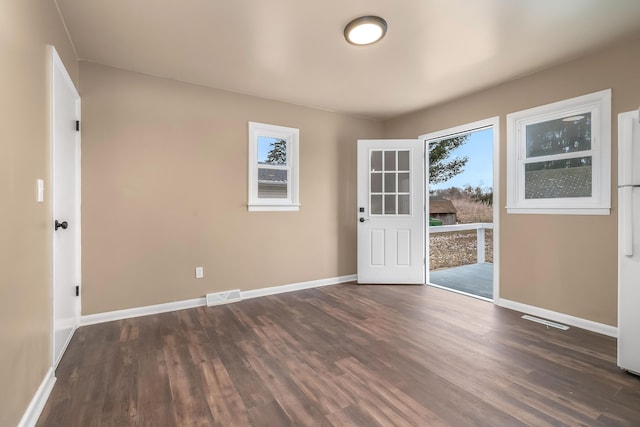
(198, 302)
(129, 313)
(31, 415)
(578, 322)
(297, 286)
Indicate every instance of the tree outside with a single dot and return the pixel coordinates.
(278, 153)
(441, 167)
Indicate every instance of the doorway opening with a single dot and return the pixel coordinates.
(462, 192)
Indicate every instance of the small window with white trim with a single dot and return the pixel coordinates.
(559, 157)
(273, 168)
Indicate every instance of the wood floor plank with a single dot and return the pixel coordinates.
(269, 414)
(343, 355)
(299, 408)
(389, 396)
(190, 404)
(225, 403)
(153, 379)
(315, 384)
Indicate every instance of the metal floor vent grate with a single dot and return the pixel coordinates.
(546, 322)
(223, 297)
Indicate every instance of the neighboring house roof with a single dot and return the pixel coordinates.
(441, 206)
(272, 176)
(554, 183)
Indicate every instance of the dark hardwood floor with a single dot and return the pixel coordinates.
(343, 355)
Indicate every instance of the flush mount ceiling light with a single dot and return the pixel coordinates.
(365, 30)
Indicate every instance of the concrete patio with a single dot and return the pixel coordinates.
(475, 279)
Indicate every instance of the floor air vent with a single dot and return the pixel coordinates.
(223, 297)
(545, 322)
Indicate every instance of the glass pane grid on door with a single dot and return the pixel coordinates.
(389, 182)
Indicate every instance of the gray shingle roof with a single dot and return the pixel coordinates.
(272, 176)
(557, 183)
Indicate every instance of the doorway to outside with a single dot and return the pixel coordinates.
(462, 231)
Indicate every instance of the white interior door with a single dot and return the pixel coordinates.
(391, 221)
(65, 201)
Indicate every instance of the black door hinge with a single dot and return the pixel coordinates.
(78, 125)
(77, 291)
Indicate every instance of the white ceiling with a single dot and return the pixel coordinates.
(294, 50)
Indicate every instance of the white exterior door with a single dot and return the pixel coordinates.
(391, 221)
(65, 202)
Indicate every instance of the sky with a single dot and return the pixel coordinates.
(479, 169)
(264, 146)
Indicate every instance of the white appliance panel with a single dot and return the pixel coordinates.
(629, 298)
(629, 241)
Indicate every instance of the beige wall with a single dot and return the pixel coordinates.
(26, 27)
(164, 188)
(558, 262)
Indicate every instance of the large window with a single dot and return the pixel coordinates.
(559, 157)
(273, 168)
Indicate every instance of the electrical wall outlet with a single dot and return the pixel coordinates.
(199, 272)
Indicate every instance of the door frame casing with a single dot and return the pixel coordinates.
(493, 122)
(57, 66)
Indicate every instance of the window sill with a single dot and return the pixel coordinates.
(274, 208)
(560, 211)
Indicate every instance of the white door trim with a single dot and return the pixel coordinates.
(56, 64)
(466, 128)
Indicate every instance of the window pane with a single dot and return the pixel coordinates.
(272, 183)
(376, 205)
(389, 205)
(376, 183)
(558, 179)
(403, 160)
(403, 204)
(272, 151)
(376, 160)
(390, 182)
(389, 160)
(403, 182)
(565, 135)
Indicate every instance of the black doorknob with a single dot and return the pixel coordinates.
(362, 219)
(62, 225)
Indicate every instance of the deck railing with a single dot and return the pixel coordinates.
(480, 227)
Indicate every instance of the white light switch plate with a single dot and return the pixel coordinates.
(199, 272)
(40, 190)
